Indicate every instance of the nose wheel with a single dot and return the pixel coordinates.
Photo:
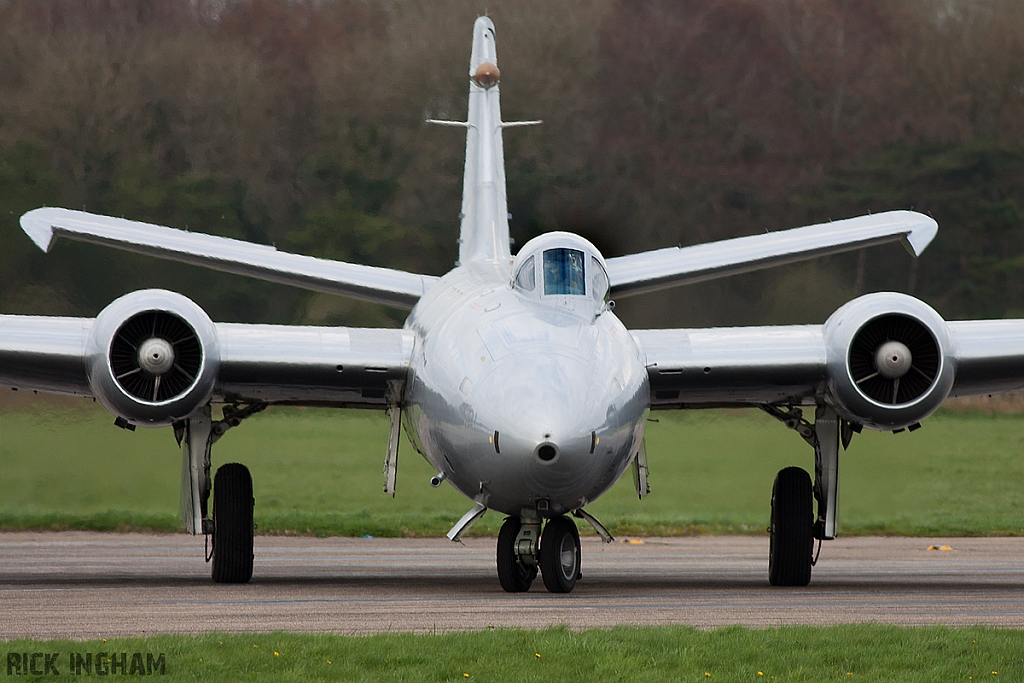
(558, 556)
(514, 574)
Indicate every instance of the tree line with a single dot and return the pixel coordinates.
(299, 123)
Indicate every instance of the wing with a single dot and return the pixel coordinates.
(348, 367)
(380, 285)
(653, 270)
(345, 366)
(695, 368)
(44, 353)
(836, 362)
(989, 356)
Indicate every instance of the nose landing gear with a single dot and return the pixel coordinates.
(557, 555)
(560, 555)
(516, 571)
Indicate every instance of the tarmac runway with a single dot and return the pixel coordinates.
(91, 585)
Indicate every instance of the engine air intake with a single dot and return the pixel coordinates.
(894, 359)
(155, 356)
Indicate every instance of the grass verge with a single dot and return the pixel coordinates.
(318, 472)
(674, 653)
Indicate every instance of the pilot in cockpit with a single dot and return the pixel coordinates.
(563, 272)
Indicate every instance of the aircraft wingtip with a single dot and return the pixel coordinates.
(922, 232)
(37, 225)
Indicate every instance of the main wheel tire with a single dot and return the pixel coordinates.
(232, 524)
(514, 576)
(560, 555)
(792, 529)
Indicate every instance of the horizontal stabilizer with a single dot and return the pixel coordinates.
(445, 122)
(518, 124)
(653, 270)
(380, 285)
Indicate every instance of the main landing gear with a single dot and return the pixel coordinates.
(231, 527)
(794, 526)
(557, 555)
(791, 532)
(232, 524)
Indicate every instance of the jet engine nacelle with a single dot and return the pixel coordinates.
(890, 362)
(152, 357)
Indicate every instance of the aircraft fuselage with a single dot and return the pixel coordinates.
(523, 404)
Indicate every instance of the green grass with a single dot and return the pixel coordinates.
(840, 653)
(64, 465)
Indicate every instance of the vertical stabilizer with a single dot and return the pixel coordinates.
(483, 235)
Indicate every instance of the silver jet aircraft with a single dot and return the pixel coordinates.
(512, 375)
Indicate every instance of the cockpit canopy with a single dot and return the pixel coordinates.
(560, 264)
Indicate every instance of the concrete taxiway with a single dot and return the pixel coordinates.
(90, 585)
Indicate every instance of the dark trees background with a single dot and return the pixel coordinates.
(299, 123)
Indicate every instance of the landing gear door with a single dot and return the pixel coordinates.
(196, 440)
(828, 435)
(640, 471)
(391, 458)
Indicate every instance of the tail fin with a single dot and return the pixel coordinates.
(483, 235)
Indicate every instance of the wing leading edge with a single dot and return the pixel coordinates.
(379, 285)
(653, 270)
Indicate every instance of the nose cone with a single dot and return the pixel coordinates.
(156, 355)
(544, 401)
(893, 359)
(551, 416)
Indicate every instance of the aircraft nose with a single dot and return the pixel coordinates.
(553, 445)
(547, 452)
(550, 429)
(546, 410)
